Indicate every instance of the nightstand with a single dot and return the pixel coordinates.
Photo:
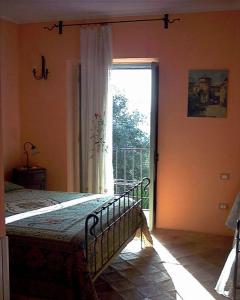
(30, 178)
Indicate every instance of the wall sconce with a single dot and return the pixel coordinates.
(31, 149)
(44, 71)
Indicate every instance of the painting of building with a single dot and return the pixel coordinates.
(207, 93)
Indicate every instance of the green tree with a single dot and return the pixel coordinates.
(132, 164)
(126, 125)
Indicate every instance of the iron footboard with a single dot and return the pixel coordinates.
(108, 229)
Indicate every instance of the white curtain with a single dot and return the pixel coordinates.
(96, 172)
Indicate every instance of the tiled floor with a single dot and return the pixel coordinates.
(182, 265)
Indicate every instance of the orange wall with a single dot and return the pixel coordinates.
(2, 223)
(2, 219)
(10, 96)
(43, 103)
(193, 151)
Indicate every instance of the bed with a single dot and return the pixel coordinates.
(229, 281)
(60, 242)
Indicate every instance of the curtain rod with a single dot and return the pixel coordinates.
(60, 25)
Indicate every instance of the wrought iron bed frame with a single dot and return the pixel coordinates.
(235, 285)
(120, 209)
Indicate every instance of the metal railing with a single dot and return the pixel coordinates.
(130, 165)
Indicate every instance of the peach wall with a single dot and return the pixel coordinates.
(44, 106)
(193, 151)
(10, 96)
(2, 223)
(2, 219)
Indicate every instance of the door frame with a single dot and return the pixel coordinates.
(154, 67)
(154, 155)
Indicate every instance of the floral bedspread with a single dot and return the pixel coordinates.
(46, 243)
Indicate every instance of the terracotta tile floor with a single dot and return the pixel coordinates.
(182, 265)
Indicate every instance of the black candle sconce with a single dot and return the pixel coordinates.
(44, 70)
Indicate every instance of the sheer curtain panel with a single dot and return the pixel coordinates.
(96, 172)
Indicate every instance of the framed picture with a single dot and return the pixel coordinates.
(207, 93)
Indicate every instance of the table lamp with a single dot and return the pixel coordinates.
(29, 148)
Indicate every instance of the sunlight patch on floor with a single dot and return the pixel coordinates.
(147, 215)
(134, 246)
(187, 286)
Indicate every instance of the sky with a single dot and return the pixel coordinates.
(136, 86)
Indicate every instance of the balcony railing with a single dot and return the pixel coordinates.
(129, 166)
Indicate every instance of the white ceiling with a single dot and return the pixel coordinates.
(26, 11)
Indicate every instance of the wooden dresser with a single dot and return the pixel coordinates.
(30, 178)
